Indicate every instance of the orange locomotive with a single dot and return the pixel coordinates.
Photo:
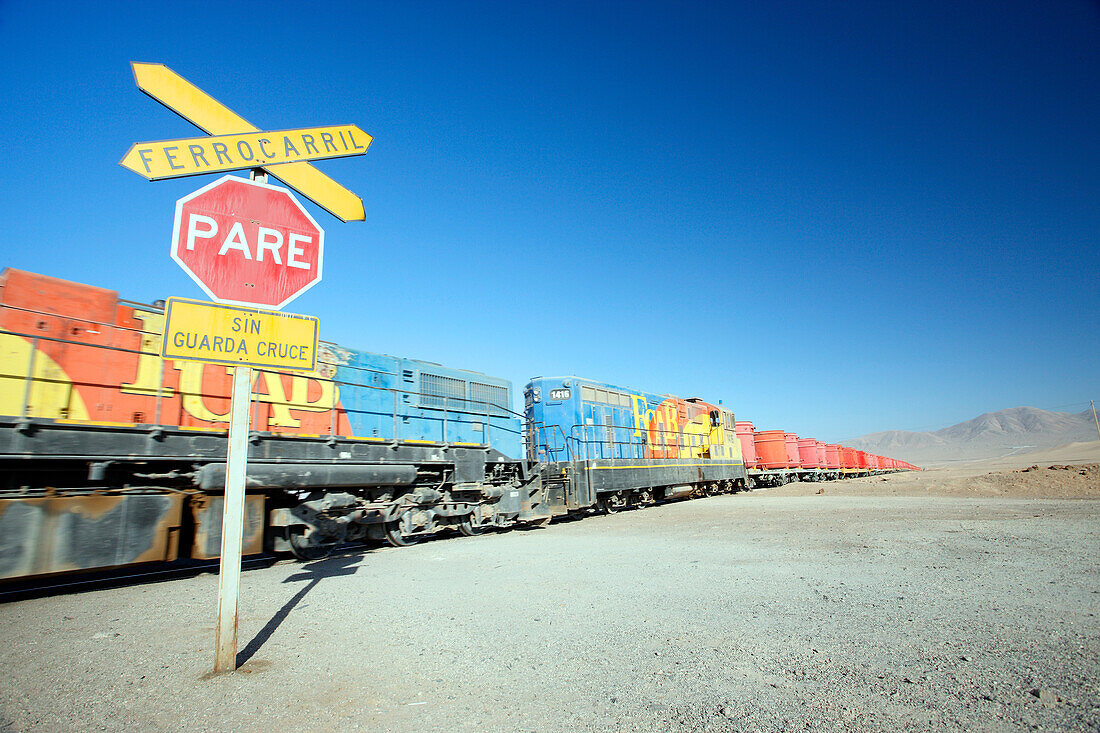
(111, 455)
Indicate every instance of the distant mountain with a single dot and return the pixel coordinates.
(992, 435)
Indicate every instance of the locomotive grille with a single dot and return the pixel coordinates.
(497, 397)
(440, 391)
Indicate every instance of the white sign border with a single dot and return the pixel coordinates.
(178, 218)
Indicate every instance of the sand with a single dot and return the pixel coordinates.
(1069, 471)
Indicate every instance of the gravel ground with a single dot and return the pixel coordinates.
(1057, 481)
(733, 613)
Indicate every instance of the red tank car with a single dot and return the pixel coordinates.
(745, 432)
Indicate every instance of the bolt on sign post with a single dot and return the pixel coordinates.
(250, 247)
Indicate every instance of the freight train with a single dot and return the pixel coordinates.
(111, 456)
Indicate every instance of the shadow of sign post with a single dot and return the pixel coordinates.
(313, 573)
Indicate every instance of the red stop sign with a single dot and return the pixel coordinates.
(247, 243)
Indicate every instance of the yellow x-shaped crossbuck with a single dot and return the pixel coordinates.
(236, 148)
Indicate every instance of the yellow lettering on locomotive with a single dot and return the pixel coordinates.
(191, 373)
(150, 367)
(672, 430)
(275, 395)
(52, 394)
(697, 435)
(642, 418)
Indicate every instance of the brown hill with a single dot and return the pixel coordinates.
(992, 435)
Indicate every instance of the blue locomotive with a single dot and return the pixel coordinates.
(603, 446)
(419, 401)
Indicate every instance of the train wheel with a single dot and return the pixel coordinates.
(469, 529)
(397, 535)
(610, 503)
(308, 545)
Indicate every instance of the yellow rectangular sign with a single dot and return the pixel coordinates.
(194, 156)
(228, 334)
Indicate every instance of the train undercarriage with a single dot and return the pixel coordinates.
(81, 496)
(77, 496)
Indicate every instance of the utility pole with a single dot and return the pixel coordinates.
(1094, 418)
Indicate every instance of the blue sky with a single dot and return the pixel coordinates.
(837, 218)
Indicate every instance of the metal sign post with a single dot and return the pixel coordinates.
(229, 564)
(229, 570)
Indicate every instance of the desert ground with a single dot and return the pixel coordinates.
(957, 598)
(1065, 472)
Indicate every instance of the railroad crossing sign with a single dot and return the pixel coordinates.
(194, 156)
(247, 243)
(214, 118)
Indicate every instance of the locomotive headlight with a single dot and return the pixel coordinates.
(536, 394)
